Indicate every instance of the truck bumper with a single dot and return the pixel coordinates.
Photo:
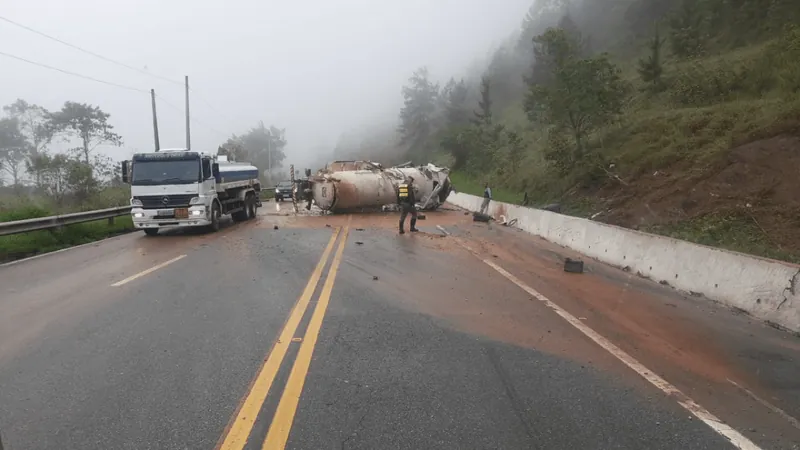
(147, 218)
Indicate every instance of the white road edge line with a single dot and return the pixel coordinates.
(145, 272)
(737, 439)
(795, 423)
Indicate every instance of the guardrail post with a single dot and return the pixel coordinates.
(110, 222)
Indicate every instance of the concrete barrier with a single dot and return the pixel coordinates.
(766, 289)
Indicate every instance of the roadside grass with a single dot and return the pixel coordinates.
(731, 231)
(464, 183)
(23, 245)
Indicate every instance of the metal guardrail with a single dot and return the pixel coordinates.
(47, 223)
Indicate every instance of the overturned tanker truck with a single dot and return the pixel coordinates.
(345, 186)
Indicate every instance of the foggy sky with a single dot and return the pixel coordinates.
(315, 67)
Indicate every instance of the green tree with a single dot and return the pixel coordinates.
(87, 123)
(552, 50)
(584, 94)
(455, 110)
(33, 120)
(79, 178)
(460, 142)
(651, 68)
(582, 45)
(483, 116)
(689, 28)
(261, 146)
(417, 115)
(13, 149)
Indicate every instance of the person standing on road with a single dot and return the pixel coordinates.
(407, 201)
(487, 197)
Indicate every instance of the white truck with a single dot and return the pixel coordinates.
(175, 188)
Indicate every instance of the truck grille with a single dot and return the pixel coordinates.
(165, 201)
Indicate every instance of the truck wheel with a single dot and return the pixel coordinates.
(252, 207)
(151, 231)
(214, 227)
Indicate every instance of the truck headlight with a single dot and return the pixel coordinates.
(138, 215)
(196, 201)
(198, 212)
(136, 203)
(277, 191)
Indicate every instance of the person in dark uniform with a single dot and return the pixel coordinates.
(406, 201)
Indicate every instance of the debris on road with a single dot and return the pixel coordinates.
(480, 217)
(508, 223)
(573, 265)
(420, 216)
(374, 278)
(274, 227)
(359, 243)
(359, 229)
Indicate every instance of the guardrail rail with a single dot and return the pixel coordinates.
(51, 222)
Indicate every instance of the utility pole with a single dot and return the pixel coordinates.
(155, 121)
(188, 136)
(269, 154)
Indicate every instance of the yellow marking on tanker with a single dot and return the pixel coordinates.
(281, 424)
(237, 432)
(145, 272)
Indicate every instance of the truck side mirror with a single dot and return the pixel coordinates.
(215, 170)
(126, 172)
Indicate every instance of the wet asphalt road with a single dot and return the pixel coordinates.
(414, 343)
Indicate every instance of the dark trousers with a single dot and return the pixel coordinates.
(407, 209)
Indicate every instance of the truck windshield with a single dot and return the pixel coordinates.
(165, 172)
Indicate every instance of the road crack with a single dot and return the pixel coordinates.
(790, 288)
(354, 433)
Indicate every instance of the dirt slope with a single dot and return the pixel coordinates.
(755, 186)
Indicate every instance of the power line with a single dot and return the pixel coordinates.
(105, 58)
(109, 83)
(86, 77)
(5, 19)
(192, 117)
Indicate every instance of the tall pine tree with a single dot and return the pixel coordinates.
(651, 68)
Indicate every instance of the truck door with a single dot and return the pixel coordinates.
(209, 183)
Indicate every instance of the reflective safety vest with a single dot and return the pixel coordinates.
(403, 191)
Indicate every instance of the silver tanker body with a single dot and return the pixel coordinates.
(369, 186)
(342, 191)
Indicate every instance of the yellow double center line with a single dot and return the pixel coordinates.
(239, 430)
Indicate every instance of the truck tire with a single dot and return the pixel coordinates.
(151, 231)
(252, 207)
(215, 213)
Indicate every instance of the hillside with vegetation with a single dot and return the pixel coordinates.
(679, 117)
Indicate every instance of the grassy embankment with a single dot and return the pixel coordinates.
(28, 244)
(709, 107)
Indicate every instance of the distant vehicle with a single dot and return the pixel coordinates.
(283, 191)
(176, 188)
